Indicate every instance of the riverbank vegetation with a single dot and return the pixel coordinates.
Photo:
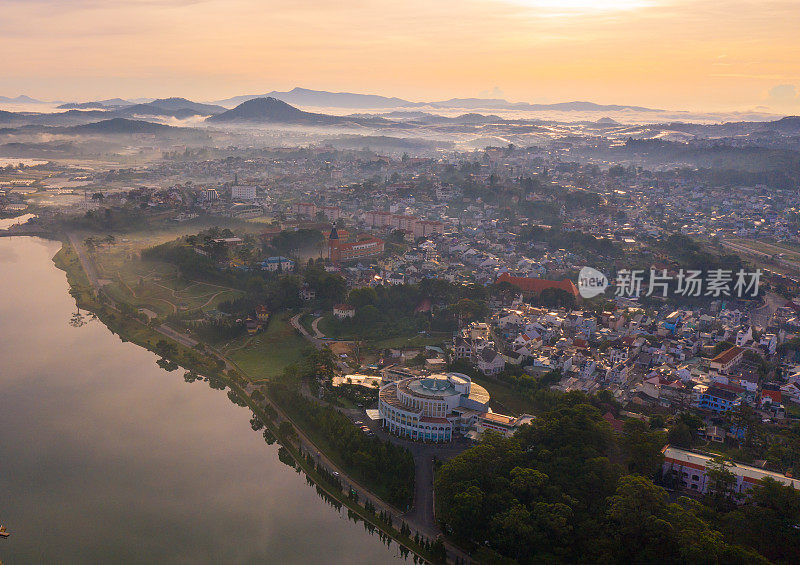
(384, 468)
(266, 354)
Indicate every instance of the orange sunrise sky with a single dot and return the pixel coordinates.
(694, 55)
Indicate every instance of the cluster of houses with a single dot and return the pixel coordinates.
(665, 360)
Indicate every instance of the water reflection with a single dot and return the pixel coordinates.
(6, 223)
(105, 457)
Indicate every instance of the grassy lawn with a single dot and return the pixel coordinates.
(266, 354)
(153, 284)
(305, 321)
(416, 340)
(505, 399)
(325, 325)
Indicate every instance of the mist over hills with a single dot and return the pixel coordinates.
(184, 104)
(400, 127)
(121, 126)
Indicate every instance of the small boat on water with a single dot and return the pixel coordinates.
(3, 532)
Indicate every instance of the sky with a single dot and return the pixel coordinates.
(671, 54)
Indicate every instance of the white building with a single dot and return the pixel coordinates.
(490, 362)
(432, 408)
(243, 192)
(279, 263)
(687, 469)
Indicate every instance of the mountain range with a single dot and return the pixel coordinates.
(22, 99)
(325, 99)
(121, 126)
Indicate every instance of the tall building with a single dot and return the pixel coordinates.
(243, 193)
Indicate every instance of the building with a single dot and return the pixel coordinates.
(506, 425)
(253, 325)
(343, 311)
(687, 470)
(278, 263)
(243, 193)
(262, 313)
(304, 209)
(431, 408)
(331, 213)
(246, 211)
(490, 362)
(410, 224)
(348, 249)
(210, 195)
(714, 399)
(728, 360)
(378, 219)
(434, 408)
(425, 228)
(535, 286)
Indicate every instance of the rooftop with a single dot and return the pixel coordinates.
(435, 386)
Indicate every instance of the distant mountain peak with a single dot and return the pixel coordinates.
(21, 99)
(269, 109)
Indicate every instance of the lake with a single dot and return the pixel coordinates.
(107, 458)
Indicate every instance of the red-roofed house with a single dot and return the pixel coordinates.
(534, 286)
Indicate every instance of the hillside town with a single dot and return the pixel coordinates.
(450, 297)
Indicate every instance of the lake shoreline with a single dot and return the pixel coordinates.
(136, 331)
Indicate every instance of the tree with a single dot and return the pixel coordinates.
(286, 429)
(721, 492)
(768, 521)
(643, 447)
(683, 431)
(556, 298)
(361, 297)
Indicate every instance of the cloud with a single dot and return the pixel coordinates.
(783, 95)
(495, 92)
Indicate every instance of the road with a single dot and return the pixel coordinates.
(86, 263)
(181, 338)
(421, 517)
(760, 317)
(315, 341)
(295, 321)
(315, 326)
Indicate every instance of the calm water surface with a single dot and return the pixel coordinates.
(106, 458)
(6, 223)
